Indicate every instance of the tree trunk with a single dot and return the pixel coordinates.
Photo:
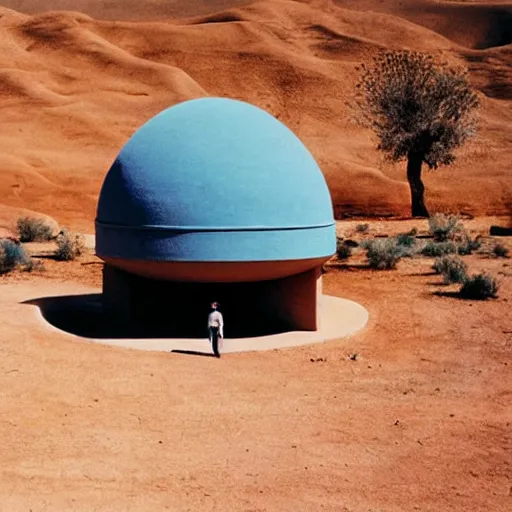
(414, 163)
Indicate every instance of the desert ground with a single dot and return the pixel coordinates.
(411, 414)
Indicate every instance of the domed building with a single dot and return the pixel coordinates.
(215, 199)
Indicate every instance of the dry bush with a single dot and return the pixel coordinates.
(406, 239)
(436, 249)
(32, 265)
(443, 227)
(383, 254)
(452, 268)
(480, 286)
(500, 251)
(343, 250)
(408, 243)
(34, 230)
(12, 255)
(465, 244)
(69, 246)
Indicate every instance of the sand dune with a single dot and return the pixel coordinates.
(75, 86)
(473, 24)
(127, 9)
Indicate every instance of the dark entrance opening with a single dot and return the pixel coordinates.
(180, 309)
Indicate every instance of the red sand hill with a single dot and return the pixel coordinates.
(75, 85)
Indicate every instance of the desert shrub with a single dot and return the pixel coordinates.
(408, 252)
(453, 269)
(442, 227)
(343, 250)
(383, 254)
(405, 239)
(407, 243)
(466, 244)
(363, 228)
(34, 230)
(364, 244)
(69, 246)
(480, 286)
(31, 265)
(11, 256)
(499, 250)
(436, 249)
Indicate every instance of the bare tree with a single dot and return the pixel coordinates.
(421, 111)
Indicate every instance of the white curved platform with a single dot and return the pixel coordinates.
(339, 318)
(20, 309)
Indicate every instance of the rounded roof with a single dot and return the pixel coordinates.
(214, 179)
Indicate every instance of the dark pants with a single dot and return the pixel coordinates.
(214, 340)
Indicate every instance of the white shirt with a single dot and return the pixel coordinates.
(215, 320)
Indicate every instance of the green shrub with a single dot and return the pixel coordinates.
(500, 251)
(34, 230)
(439, 248)
(69, 246)
(363, 228)
(453, 269)
(383, 254)
(12, 255)
(343, 250)
(480, 286)
(442, 227)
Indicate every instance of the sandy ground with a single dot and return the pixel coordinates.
(420, 421)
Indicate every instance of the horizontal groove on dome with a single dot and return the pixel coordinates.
(212, 228)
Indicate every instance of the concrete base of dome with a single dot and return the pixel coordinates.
(250, 308)
(75, 312)
(339, 318)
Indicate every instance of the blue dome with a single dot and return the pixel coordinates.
(212, 180)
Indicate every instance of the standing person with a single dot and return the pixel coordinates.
(215, 328)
